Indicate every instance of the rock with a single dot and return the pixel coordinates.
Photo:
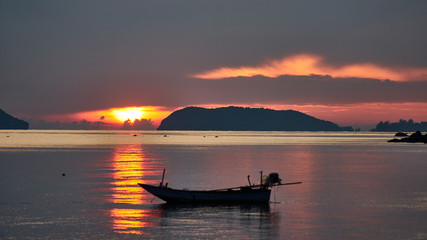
(401, 134)
(416, 137)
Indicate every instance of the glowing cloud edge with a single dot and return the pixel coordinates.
(311, 64)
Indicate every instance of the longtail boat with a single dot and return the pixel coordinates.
(244, 194)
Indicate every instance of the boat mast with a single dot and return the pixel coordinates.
(163, 177)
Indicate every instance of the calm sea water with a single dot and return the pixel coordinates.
(355, 185)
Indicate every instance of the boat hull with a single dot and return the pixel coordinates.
(227, 196)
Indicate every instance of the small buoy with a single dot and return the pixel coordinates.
(63, 174)
(165, 135)
(135, 135)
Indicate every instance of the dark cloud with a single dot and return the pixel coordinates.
(304, 90)
(67, 56)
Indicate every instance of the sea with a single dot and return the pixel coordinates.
(59, 184)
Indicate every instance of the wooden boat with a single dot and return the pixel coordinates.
(243, 194)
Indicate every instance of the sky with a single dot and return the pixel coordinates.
(350, 62)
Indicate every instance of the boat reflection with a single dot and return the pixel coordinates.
(261, 207)
(129, 168)
(230, 221)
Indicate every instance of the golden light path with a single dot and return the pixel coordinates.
(130, 167)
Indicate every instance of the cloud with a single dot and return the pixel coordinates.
(310, 64)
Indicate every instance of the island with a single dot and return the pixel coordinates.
(9, 122)
(245, 119)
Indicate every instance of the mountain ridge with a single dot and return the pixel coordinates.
(234, 118)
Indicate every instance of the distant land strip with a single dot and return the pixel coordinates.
(401, 126)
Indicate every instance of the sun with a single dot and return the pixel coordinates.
(130, 113)
(116, 116)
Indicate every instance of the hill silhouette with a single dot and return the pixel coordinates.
(245, 119)
(9, 122)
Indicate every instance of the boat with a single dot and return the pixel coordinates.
(244, 194)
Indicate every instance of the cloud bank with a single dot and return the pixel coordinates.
(311, 64)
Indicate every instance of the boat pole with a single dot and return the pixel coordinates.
(249, 180)
(290, 183)
(261, 178)
(163, 177)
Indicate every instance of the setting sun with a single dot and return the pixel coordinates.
(131, 113)
(116, 116)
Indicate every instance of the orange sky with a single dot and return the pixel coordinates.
(355, 115)
(344, 114)
(116, 115)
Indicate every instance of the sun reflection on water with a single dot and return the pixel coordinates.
(130, 168)
(132, 221)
